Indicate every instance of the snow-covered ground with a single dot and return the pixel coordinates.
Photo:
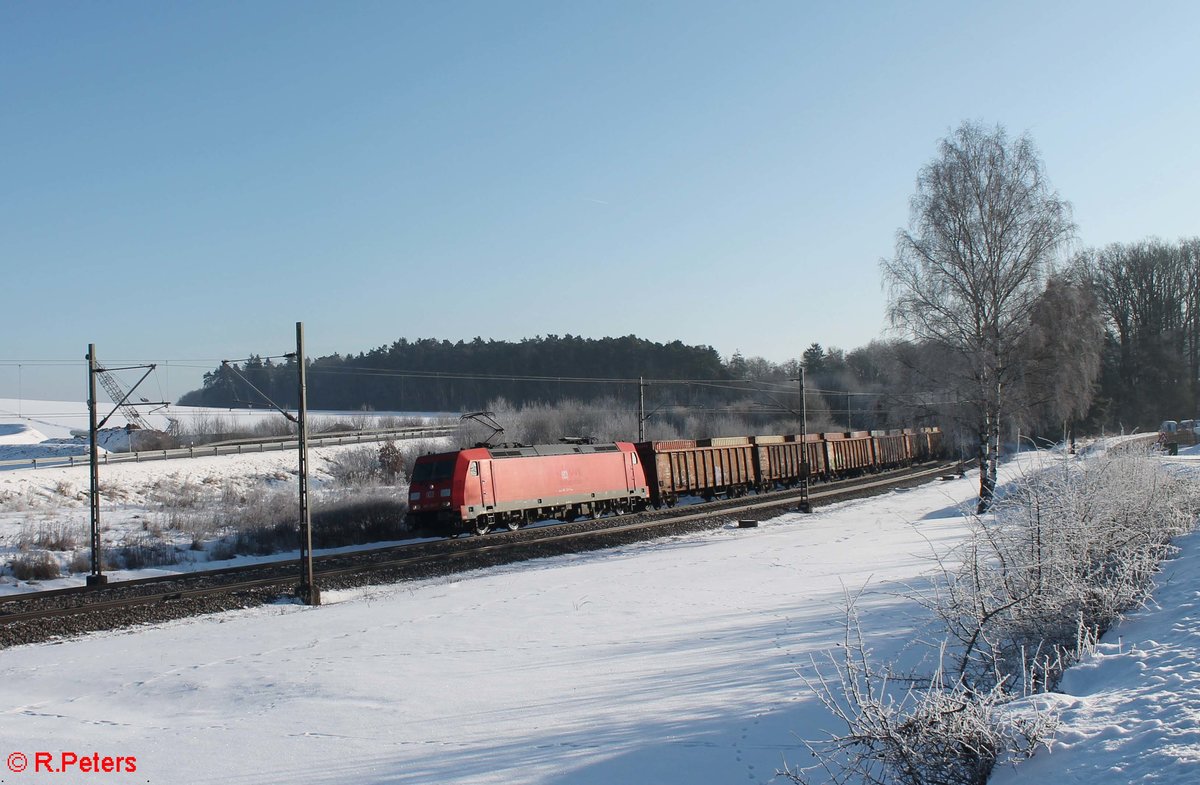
(158, 503)
(146, 503)
(1131, 711)
(664, 662)
(57, 419)
(22, 442)
(675, 661)
(46, 429)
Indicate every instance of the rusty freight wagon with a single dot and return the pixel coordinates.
(892, 448)
(934, 435)
(706, 468)
(783, 460)
(849, 453)
(925, 444)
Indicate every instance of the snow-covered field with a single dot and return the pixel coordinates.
(158, 503)
(666, 662)
(144, 501)
(669, 662)
(57, 419)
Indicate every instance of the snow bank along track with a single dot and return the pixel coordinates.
(28, 618)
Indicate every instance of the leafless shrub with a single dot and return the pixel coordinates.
(354, 521)
(393, 421)
(274, 506)
(200, 525)
(223, 549)
(244, 518)
(1059, 559)
(48, 536)
(266, 539)
(80, 562)
(263, 523)
(144, 552)
(392, 463)
(67, 489)
(232, 494)
(932, 731)
(19, 500)
(270, 428)
(175, 493)
(356, 467)
(360, 421)
(206, 428)
(34, 566)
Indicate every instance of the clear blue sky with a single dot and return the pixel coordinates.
(183, 182)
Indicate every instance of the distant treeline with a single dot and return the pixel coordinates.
(441, 376)
(688, 389)
(1113, 344)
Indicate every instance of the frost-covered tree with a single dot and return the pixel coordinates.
(984, 230)
(1063, 351)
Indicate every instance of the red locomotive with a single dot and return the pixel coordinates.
(477, 489)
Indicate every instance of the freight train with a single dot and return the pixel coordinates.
(481, 488)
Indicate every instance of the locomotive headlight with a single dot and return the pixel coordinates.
(445, 493)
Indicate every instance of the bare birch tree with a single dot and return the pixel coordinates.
(984, 230)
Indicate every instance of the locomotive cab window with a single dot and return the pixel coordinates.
(433, 471)
(474, 468)
(633, 455)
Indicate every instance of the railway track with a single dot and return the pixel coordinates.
(39, 616)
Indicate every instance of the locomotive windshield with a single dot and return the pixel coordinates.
(434, 471)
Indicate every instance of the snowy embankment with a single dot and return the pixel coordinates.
(1130, 712)
(674, 661)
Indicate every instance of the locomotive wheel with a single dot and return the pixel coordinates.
(513, 523)
(481, 526)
